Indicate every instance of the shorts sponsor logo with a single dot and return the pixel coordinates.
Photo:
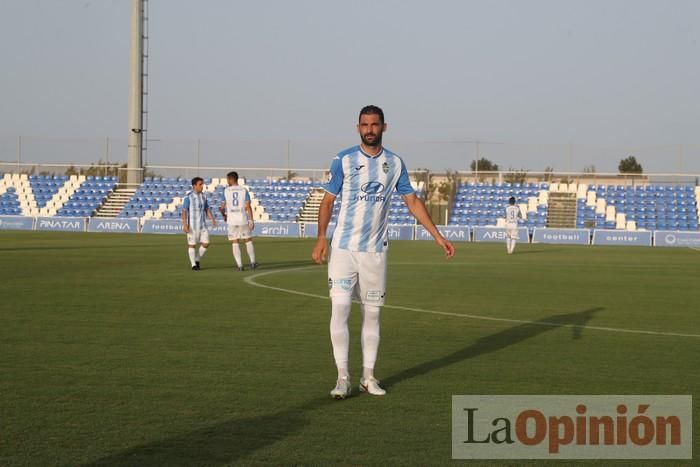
(572, 427)
(345, 284)
(375, 295)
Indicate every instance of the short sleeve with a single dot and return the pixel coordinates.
(335, 181)
(186, 203)
(247, 196)
(403, 186)
(206, 204)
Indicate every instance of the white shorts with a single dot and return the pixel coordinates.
(239, 232)
(197, 236)
(361, 275)
(513, 233)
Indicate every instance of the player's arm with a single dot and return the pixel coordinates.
(211, 217)
(209, 212)
(249, 211)
(333, 189)
(222, 209)
(419, 211)
(417, 208)
(186, 215)
(324, 218)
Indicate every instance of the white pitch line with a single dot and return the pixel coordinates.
(250, 280)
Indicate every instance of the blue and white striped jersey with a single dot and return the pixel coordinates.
(365, 184)
(196, 205)
(236, 198)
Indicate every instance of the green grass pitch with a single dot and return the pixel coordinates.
(113, 352)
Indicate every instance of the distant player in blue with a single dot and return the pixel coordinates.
(195, 209)
(365, 176)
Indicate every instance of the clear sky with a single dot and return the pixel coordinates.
(609, 77)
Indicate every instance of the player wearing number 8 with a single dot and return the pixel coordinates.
(239, 216)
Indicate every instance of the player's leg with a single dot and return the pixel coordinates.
(250, 249)
(513, 236)
(342, 277)
(233, 236)
(203, 244)
(371, 291)
(191, 249)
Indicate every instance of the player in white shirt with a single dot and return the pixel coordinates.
(195, 208)
(512, 216)
(365, 175)
(239, 216)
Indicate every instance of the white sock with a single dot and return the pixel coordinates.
(251, 251)
(512, 245)
(237, 253)
(508, 244)
(369, 338)
(193, 255)
(340, 335)
(202, 250)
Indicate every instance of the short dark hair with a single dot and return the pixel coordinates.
(196, 179)
(233, 174)
(372, 110)
(511, 200)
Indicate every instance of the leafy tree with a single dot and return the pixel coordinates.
(629, 165)
(483, 165)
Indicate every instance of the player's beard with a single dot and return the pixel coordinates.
(375, 142)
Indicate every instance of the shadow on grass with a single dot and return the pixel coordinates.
(576, 321)
(233, 440)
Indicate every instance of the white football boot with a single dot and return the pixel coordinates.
(342, 388)
(371, 386)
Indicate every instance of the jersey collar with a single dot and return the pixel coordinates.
(367, 155)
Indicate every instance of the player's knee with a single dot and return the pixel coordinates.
(341, 300)
(371, 312)
(205, 245)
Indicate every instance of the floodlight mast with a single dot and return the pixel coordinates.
(137, 93)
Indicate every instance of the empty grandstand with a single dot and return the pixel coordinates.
(645, 206)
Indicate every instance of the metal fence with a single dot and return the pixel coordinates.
(437, 156)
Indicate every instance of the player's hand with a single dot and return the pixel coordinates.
(186, 229)
(320, 251)
(446, 246)
(251, 225)
(214, 223)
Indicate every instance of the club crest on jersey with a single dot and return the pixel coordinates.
(385, 167)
